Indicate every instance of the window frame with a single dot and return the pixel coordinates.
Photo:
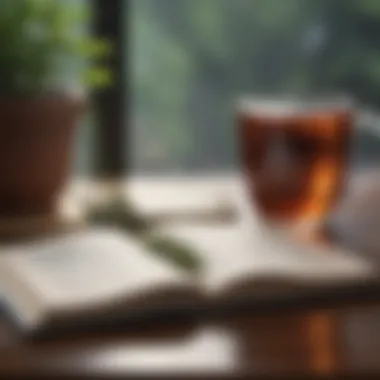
(111, 104)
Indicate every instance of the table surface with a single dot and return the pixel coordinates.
(309, 342)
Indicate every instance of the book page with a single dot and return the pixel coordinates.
(250, 249)
(90, 266)
(228, 257)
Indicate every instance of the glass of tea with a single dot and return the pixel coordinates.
(294, 156)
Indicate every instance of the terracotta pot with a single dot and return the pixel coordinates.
(36, 136)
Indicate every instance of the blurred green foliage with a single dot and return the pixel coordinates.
(191, 58)
(40, 40)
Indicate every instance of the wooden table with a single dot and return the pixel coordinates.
(312, 343)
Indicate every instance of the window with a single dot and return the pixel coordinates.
(191, 58)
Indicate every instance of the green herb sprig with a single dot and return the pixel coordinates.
(121, 214)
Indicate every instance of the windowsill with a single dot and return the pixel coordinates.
(155, 197)
(168, 196)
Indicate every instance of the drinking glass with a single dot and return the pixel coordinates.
(294, 157)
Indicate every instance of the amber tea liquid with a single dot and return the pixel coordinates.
(295, 163)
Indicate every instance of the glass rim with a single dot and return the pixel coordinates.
(292, 105)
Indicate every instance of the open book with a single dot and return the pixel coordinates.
(99, 273)
(102, 272)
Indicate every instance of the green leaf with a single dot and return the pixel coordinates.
(97, 77)
(121, 214)
(38, 36)
(180, 254)
(93, 48)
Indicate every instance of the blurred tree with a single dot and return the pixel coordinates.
(351, 58)
(192, 58)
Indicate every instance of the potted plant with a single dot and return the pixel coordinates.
(46, 64)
